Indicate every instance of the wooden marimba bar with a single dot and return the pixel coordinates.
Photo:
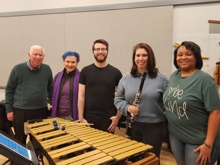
(79, 144)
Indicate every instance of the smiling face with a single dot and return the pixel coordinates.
(100, 52)
(36, 57)
(185, 59)
(141, 57)
(70, 63)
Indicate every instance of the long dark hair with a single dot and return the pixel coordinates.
(151, 63)
(195, 49)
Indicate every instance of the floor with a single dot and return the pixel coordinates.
(166, 155)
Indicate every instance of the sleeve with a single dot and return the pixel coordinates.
(210, 95)
(119, 76)
(50, 84)
(164, 81)
(82, 77)
(120, 103)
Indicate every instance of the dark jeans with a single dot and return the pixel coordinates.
(21, 116)
(149, 133)
(99, 123)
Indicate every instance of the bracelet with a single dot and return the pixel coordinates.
(207, 145)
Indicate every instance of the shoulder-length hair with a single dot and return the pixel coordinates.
(151, 62)
(195, 49)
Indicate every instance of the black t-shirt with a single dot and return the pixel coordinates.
(100, 84)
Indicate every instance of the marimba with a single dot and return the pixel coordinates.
(79, 144)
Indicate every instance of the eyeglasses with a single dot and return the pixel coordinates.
(100, 49)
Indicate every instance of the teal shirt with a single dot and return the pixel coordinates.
(28, 89)
(188, 101)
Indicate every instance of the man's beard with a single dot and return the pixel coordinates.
(100, 60)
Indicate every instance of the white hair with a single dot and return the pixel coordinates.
(37, 47)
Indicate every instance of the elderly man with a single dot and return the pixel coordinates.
(28, 87)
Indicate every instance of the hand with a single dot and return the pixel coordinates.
(204, 155)
(49, 106)
(114, 123)
(83, 120)
(133, 109)
(10, 116)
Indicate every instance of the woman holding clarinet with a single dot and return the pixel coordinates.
(142, 96)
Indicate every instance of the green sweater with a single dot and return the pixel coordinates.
(28, 89)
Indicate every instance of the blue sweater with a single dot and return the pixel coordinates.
(28, 89)
(151, 108)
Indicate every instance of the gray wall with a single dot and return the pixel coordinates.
(33, 7)
(58, 33)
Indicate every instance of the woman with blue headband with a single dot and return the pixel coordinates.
(65, 89)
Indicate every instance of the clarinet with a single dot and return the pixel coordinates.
(137, 99)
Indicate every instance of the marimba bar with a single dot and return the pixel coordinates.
(79, 144)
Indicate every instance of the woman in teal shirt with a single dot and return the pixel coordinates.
(192, 109)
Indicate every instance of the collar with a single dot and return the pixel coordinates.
(70, 73)
(30, 67)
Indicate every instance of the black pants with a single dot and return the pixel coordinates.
(21, 116)
(149, 133)
(99, 123)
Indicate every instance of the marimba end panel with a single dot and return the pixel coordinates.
(150, 159)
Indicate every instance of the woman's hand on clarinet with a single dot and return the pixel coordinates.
(133, 109)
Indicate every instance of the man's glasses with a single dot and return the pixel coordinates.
(100, 49)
